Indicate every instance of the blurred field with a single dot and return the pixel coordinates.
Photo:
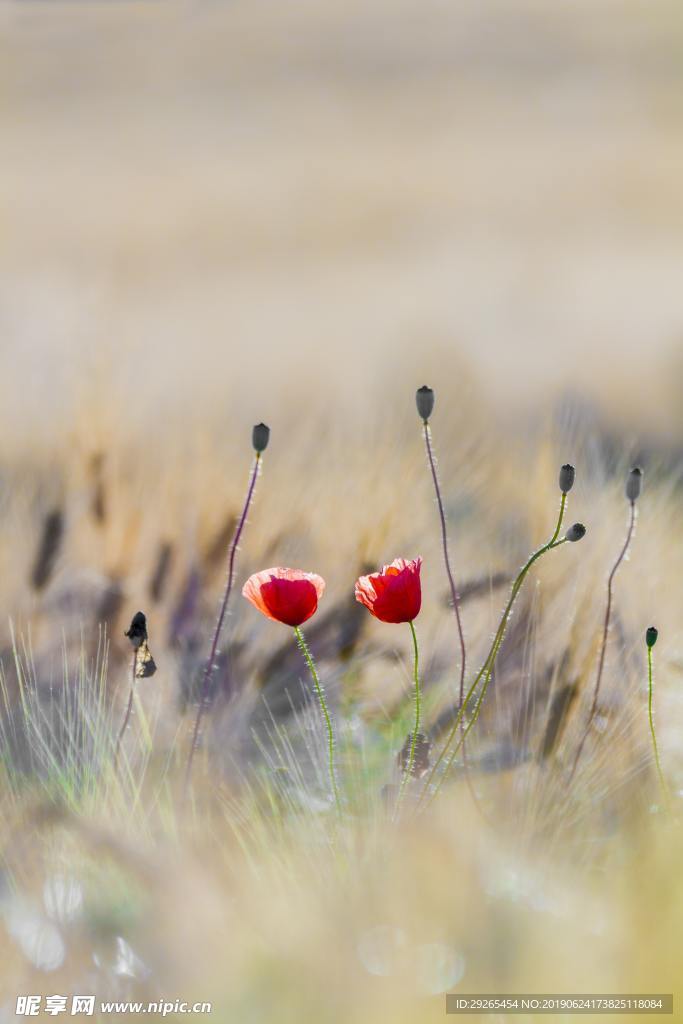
(307, 188)
(214, 214)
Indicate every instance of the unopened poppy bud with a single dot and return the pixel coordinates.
(575, 532)
(651, 636)
(567, 474)
(137, 631)
(424, 398)
(260, 436)
(633, 484)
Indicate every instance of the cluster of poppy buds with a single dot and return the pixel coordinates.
(392, 595)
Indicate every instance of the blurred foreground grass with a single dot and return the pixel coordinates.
(248, 896)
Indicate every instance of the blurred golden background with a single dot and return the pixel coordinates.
(216, 205)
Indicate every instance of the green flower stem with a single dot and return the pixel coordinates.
(660, 773)
(418, 710)
(303, 647)
(486, 670)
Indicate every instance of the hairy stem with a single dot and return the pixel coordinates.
(660, 774)
(444, 543)
(303, 646)
(486, 670)
(408, 771)
(605, 632)
(455, 599)
(221, 616)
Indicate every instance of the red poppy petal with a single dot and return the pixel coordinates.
(394, 594)
(290, 601)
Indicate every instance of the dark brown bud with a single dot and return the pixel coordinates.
(634, 483)
(424, 398)
(260, 436)
(567, 474)
(137, 633)
(651, 636)
(575, 532)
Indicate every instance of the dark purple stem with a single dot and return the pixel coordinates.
(446, 558)
(605, 631)
(456, 605)
(221, 616)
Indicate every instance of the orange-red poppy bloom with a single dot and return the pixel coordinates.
(285, 595)
(394, 594)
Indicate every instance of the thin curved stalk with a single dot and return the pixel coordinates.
(487, 668)
(660, 774)
(303, 646)
(444, 543)
(416, 729)
(605, 632)
(129, 709)
(455, 599)
(221, 616)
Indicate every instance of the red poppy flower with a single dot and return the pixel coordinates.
(285, 595)
(394, 594)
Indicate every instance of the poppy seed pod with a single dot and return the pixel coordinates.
(575, 532)
(137, 632)
(567, 474)
(424, 399)
(633, 484)
(260, 436)
(651, 636)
